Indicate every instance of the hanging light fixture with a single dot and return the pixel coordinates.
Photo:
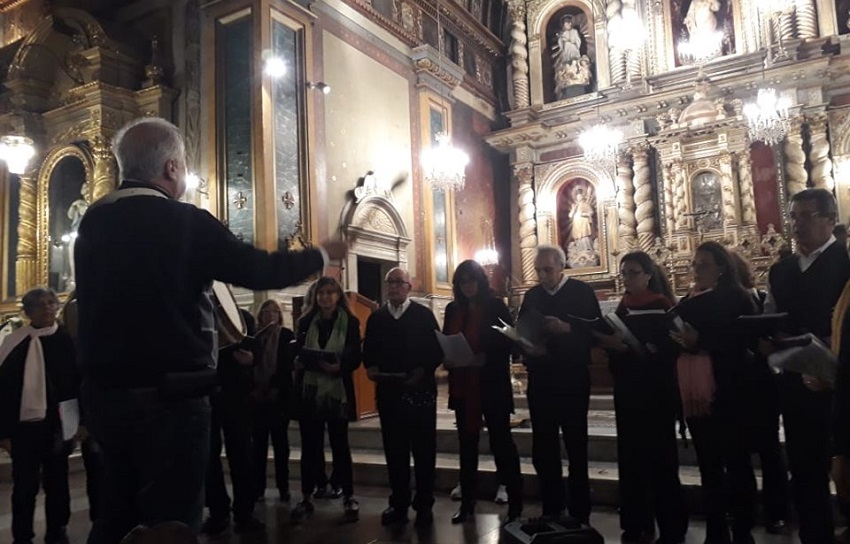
(16, 151)
(444, 165)
(600, 144)
(767, 117)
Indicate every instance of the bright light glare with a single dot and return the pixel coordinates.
(275, 67)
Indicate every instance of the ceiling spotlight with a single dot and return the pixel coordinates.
(319, 85)
(274, 67)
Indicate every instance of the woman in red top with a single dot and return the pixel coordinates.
(646, 404)
(483, 390)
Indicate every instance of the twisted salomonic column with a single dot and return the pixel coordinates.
(105, 168)
(680, 196)
(786, 25)
(524, 174)
(745, 186)
(519, 53)
(644, 207)
(26, 265)
(807, 20)
(727, 189)
(616, 56)
(819, 154)
(795, 159)
(626, 202)
(669, 210)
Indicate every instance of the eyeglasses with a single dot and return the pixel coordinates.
(803, 216)
(396, 283)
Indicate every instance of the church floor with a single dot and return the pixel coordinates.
(326, 525)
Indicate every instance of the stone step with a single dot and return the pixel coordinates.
(597, 402)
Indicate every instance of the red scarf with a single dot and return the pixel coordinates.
(465, 383)
(645, 301)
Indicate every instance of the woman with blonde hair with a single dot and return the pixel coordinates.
(328, 348)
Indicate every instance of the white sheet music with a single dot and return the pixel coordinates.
(456, 350)
(69, 413)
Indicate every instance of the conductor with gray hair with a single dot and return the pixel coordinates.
(559, 383)
(147, 330)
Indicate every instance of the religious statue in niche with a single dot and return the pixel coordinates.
(578, 223)
(571, 52)
(699, 22)
(707, 200)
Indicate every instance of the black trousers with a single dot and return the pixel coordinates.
(557, 410)
(93, 462)
(312, 451)
(724, 460)
(39, 458)
(648, 464)
(231, 417)
(807, 416)
(407, 429)
(270, 419)
(504, 451)
(155, 453)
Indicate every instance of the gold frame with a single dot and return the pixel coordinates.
(5, 251)
(429, 101)
(54, 157)
(263, 14)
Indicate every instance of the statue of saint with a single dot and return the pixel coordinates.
(75, 213)
(700, 20)
(570, 66)
(581, 223)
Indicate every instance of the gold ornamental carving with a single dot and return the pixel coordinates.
(644, 204)
(627, 228)
(524, 175)
(796, 176)
(26, 266)
(105, 168)
(433, 68)
(819, 156)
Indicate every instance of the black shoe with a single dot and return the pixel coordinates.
(425, 518)
(334, 493)
(778, 527)
(215, 525)
(301, 510)
(248, 525)
(56, 536)
(321, 492)
(463, 515)
(391, 516)
(351, 507)
(636, 537)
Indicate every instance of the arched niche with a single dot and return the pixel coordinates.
(692, 18)
(569, 59)
(543, 20)
(64, 192)
(707, 199)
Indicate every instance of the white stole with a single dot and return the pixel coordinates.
(34, 392)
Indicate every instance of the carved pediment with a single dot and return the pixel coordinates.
(374, 219)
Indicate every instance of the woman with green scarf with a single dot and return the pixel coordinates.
(328, 347)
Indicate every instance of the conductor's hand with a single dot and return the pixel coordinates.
(336, 248)
(243, 357)
(556, 326)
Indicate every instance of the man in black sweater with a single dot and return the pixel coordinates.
(559, 384)
(400, 353)
(148, 344)
(807, 286)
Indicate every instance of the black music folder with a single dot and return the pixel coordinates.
(761, 325)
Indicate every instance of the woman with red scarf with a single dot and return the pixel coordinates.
(646, 405)
(483, 390)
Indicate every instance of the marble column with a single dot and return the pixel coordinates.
(807, 20)
(519, 53)
(743, 165)
(796, 176)
(680, 195)
(26, 265)
(644, 205)
(524, 176)
(819, 154)
(727, 190)
(669, 209)
(627, 223)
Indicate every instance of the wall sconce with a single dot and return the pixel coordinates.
(197, 184)
(319, 86)
(16, 151)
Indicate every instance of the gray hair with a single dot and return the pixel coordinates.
(555, 251)
(30, 300)
(399, 269)
(144, 145)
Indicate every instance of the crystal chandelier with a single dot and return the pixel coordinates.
(767, 117)
(600, 145)
(487, 257)
(700, 48)
(444, 165)
(16, 151)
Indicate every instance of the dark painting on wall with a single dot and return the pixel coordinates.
(766, 187)
(578, 223)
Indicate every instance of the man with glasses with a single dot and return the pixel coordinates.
(807, 286)
(400, 353)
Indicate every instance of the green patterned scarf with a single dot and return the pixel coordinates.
(326, 394)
